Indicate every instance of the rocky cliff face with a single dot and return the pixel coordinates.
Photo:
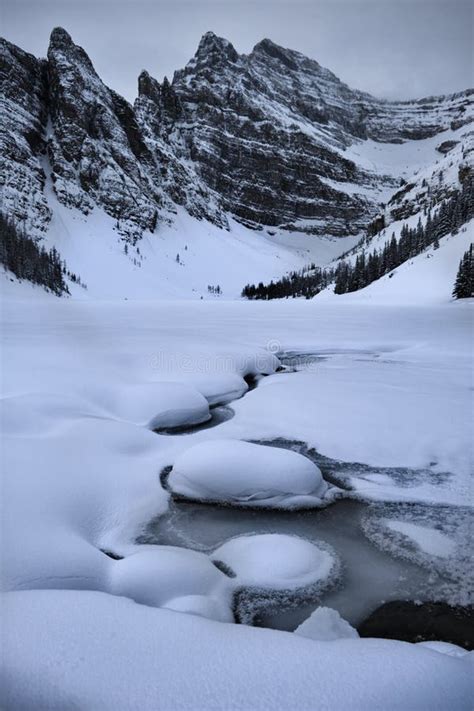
(262, 147)
(22, 138)
(96, 150)
(266, 138)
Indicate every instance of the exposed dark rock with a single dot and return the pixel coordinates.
(446, 146)
(111, 554)
(96, 150)
(22, 144)
(421, 622)
(224, 568)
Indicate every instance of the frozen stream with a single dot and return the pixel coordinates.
(369, 575)
(376, 567)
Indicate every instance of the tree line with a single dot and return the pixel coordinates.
(307, 282)
(27, 259)
(464, 284)
(347, 276)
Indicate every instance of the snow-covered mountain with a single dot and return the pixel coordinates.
(269, 152)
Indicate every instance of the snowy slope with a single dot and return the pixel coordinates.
(427, 278)
(208, 255)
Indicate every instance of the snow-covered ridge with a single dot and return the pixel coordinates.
(270, 138)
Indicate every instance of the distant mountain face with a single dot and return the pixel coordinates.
(267, 138)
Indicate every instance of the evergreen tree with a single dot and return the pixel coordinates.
(464, 284)
(351, 276)
(27, 259)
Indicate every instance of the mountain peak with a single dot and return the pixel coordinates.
(269, 48)
(61, 42)
(149, 86)
(211, 45)
(60, 38)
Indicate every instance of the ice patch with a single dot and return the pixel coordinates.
(439, 538)
(429, 540)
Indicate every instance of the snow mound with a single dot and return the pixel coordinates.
(180, 579)
(326, 624)
(160, 405)
(275, 561)
(220, 388)
(246, 474)
(74, 486)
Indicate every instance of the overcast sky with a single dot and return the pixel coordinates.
(391, 48)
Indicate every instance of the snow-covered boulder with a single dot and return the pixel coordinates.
(275, 561)
(176, 578)
(159, 405)
(219, 388)
(245, 474)
(326, 624)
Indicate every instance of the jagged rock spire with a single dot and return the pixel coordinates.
(270, 49)
(163, 95)
(149, 86)
(213, 49)
(61, 43)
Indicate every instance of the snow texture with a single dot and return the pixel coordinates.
(103, 651)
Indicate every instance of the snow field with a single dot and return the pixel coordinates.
(105, 652)
(81, 473)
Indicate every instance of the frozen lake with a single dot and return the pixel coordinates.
(390, 391)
